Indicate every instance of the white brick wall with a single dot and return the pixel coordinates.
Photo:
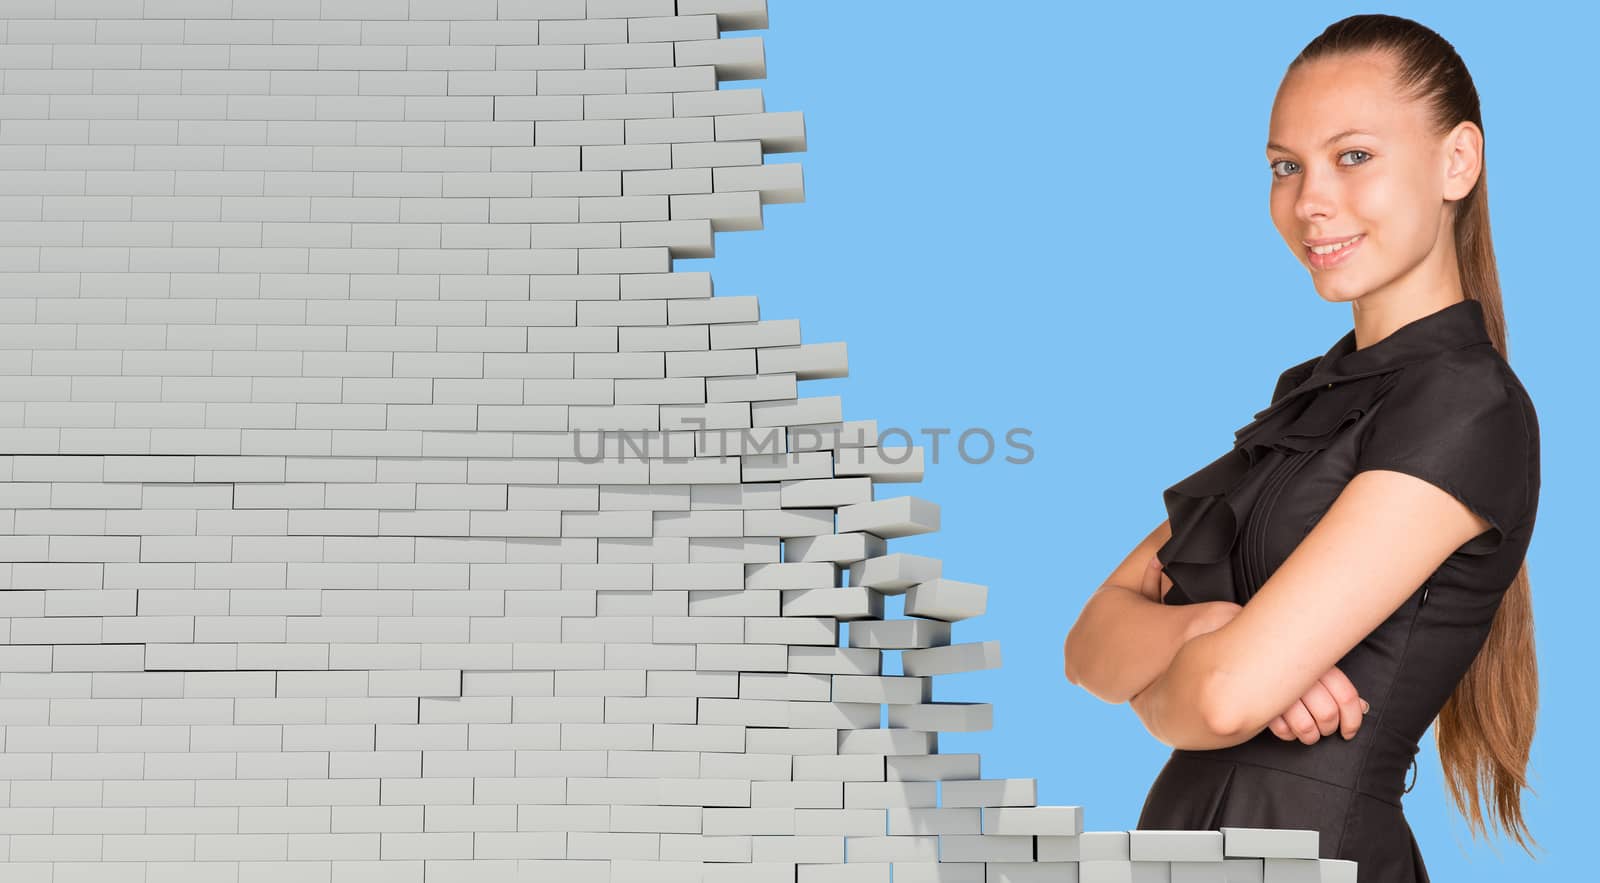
(309, 573)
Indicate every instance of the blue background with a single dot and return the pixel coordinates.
(1054, 216)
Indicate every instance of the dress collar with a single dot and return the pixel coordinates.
(1454, 327)
(1457, 326)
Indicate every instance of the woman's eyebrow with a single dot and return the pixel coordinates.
(1331, 138)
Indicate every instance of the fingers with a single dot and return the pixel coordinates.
(1150, 584)
(1303, 723)
(1320, 713)
(1351, 707)
(1280, 728)
(1330, 705)
(1324, 708)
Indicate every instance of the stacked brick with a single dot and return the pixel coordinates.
(383, 505)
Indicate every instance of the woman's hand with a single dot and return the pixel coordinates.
(1331, 704)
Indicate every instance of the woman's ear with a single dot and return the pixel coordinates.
(1463, 153)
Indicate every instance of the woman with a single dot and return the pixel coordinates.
(1355, 564)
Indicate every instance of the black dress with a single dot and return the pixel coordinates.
(1433, 399)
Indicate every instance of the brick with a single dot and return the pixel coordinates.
(387, 504)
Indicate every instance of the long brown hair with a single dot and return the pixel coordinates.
(1485, 730)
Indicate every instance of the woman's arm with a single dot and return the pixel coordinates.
(1125, 636)
(1123, 640)
(1380, 540)
(1174, 708)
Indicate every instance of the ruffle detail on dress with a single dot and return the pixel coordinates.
(1208, 509)
(1313, 401)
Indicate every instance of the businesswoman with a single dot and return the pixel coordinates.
(1353, 569)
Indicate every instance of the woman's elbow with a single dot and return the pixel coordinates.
(1074, 659)
(1219, 711)
(1069, 662)
(1080, 672)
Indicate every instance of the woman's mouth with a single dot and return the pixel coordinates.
(1323, 257)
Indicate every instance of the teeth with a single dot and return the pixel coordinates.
(1330, 249)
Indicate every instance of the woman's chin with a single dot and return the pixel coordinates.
(1336, 293)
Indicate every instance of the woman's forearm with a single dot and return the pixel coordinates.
(1123, 641)
(1174, 707)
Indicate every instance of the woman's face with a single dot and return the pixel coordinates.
(1350, 159)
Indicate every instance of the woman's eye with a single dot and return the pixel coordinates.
(1291, 166)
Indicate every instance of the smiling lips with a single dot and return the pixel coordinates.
(1326, 254)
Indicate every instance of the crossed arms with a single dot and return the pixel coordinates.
(1210, 675)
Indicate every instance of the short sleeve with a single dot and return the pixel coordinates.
(1459, 422)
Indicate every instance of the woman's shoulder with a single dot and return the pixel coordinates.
(1474, 379)
(1462, 420)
